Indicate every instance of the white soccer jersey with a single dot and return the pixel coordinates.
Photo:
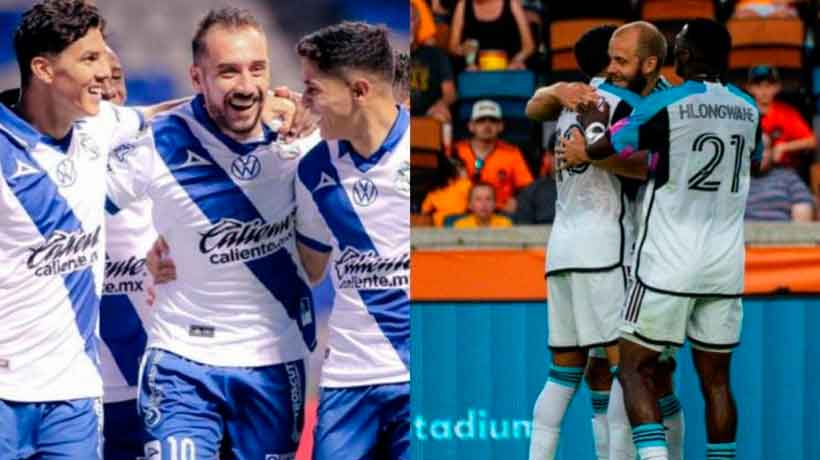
(359, 210)
(52, 248)
(593, 227)
(704, 136)
(227, 212)
(124, 313)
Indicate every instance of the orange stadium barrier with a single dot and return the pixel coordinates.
(514, 274)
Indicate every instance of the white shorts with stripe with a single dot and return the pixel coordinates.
(584, 307)
(658, 320)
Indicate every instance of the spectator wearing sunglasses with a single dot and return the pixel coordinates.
(491, 160)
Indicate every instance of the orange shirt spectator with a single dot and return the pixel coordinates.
(451, 199)
(481, 209)
(491, 160)
(426, 28)
(784, 125)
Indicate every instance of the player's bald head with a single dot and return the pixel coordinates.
(649, 41)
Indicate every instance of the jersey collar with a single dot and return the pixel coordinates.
(18, 130)
(201, 115)
(395, 134)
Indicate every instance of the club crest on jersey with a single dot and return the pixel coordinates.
(402, 178)
(365, 192)
(122, 150)
(246, 167)
(88, 145)
(66, 173)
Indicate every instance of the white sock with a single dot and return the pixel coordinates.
(549, 410)
(650, 440)
(621, 446)
(672, 413)
(600, 426)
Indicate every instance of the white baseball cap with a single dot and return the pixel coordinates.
(486, 108)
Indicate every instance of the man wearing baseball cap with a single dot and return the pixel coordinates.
(491, 160)
(783, 124)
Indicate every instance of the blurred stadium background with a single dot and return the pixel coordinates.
(153, 40)
(480, 353)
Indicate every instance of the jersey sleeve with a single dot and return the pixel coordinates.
(130, 173)
(311, 229)
(128, 124)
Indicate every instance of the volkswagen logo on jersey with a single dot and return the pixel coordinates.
(66, 174)
(364, 192)
(246, 167)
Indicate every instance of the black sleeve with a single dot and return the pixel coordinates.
(654, 136)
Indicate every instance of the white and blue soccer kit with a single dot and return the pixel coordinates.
(124, 315)
(689, 262)
(224, 367)
(52, 244)
(357, 209)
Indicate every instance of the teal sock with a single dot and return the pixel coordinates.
(669, 405)
(721, 451)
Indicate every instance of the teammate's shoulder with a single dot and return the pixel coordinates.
(741, 94)
(317, 157)
(656, 101)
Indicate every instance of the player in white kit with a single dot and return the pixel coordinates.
(51, 227)
(704, 137)
(124, 311)
(224, 372)
(353, 201)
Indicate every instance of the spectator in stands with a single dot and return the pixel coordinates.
(451, 198)
(496, 25)
(491, 160)
(765, 9)
(431, 77)
(777, 193)
(785, 126)
(536, 202)
(482, 198)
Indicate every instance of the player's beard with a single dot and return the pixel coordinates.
(240, 127)
(638, 83)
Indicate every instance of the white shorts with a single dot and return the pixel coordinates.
(584, 308)
(658, 320)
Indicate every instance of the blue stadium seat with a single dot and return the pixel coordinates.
(502, 84)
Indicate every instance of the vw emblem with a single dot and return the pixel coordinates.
(246, 167)
(66, 174)
(364, 192)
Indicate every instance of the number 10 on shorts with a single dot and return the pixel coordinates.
(178, 449)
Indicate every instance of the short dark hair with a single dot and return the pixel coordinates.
(230, 18)
(709, 43)
(350, 45)
(592, 50)
(50, 27)
(401, 74)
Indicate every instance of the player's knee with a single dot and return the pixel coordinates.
(598, 375)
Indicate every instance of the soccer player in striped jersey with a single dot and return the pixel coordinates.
(54, 143)
(705, 139)
(123, 308)
(353, 202)
(224, 370)
(636, 50)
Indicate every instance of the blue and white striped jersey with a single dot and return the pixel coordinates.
(358, 209)
(704, 136)
(227, 211)
(52, 248)
(124, 312)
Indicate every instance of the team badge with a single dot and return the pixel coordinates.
(402, 178)
(364, 192)
(88, 145)
(66, 174)
(246, 167)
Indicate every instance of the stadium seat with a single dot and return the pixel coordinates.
(425, 150)
(421, 220)
(777, 42)
(564, 34)
(677, 10)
